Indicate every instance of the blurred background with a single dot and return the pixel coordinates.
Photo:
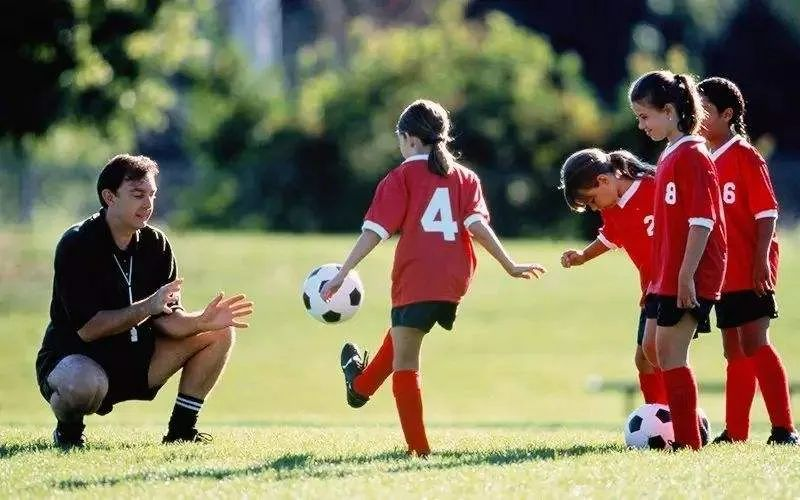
(272, 118)
(278, 115)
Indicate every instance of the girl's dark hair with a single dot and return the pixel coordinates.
(581, 169)
(659, 88)
(428, 121)
(724, 94)
(123, 168)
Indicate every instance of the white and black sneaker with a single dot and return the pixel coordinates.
(352, 365)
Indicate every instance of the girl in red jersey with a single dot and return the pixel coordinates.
(689, 253)
(748, 293)
(437, 207)
(622, 188)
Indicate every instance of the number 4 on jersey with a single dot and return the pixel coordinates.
(438, 216)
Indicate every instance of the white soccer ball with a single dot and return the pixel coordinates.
(344, 303)
(650, 426)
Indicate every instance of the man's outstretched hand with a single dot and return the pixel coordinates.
(221, 312)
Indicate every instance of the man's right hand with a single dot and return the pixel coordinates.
(159, 302)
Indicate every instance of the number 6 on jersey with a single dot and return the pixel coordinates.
(438, 216)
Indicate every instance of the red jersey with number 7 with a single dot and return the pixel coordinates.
(628, 224)
(747, 196)
(687, 194)
(434, 259)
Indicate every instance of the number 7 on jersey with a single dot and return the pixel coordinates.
(438, 216)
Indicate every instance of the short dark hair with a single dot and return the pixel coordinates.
(659, 88)
(122, 168)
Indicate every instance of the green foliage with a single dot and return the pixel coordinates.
(311, 164)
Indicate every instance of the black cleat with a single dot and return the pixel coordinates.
(192, 436)
(352, 366)
(67, 439)
(723, 438)
(676, 446)
(781, 435)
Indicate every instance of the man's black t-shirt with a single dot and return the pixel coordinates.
(90, 276)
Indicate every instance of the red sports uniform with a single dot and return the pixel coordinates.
(687, 194)
(629, 225)
(434, 259)
(747, 196)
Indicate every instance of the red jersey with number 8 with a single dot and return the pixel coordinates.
(434, 259)
(747, 196)
(687, 194)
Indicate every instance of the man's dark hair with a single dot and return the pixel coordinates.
(123, 168)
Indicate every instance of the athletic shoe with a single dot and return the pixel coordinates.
(352, 366)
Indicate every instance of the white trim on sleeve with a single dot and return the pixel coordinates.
(376, 228)
(473, 218)
(605, 241)
(701, 221)
(767, 214)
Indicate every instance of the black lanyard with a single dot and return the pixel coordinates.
(129, 282)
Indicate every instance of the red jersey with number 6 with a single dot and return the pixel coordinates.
(629, 224)
(747, 196)
(687, 194)
(434, 259)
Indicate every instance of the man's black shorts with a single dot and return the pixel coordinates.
(735, 309)
(424, 315)
(127, 374)
(669, 314)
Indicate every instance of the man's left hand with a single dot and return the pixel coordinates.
(222, 313)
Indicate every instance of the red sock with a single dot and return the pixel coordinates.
(682, 395)
(774, 386)
(377, 370)
(740, 388)
(652, 386)
(408, 396)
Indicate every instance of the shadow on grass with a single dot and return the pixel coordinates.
(11, 450)
(306, 465)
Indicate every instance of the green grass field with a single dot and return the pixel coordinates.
(506, 399)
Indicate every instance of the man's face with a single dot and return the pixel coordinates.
(133, 202)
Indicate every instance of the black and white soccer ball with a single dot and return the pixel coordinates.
(650, 426)
(344, 303)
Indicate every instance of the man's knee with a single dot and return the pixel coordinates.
(225, 338)
(79, 384)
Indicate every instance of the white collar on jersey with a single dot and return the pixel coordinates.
(415, 158)
(628, 194)
(685, 138)
(718, 152)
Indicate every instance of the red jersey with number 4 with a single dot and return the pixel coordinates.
(687, 194)
(629, 224)
(747, 196)
(434, 259)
